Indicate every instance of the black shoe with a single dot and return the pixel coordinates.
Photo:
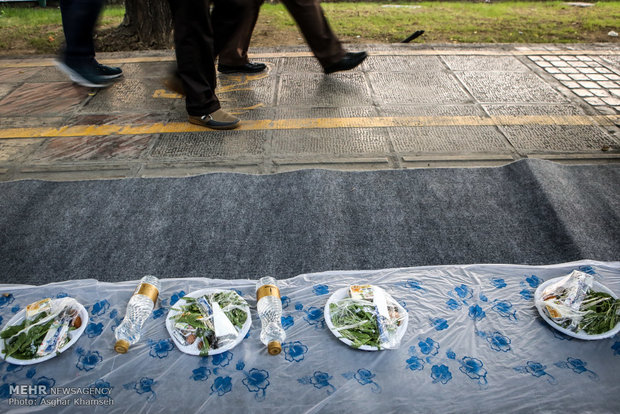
(85, 74)
(349, 61)
(217, 120)
(108, 72)
(250, 67)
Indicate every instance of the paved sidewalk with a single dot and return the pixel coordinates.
(407, 106)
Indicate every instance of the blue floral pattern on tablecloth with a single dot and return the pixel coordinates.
(256, 381)
(473, 368)
(319, 380)
(221, 386)
(473, 330)
(144, 386)
(314, 317)
(294, 351)
(87, 360)
(160, 349)
(441, 374)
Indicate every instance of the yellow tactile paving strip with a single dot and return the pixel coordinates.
(305, 123)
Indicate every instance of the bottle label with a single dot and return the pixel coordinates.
(148, 290)
(267, 290)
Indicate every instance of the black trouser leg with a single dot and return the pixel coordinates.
(235, 52)
(78, 21)
(226, 16)
(310, 19)
(194, 44)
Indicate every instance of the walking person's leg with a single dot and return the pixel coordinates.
(77, 60)
(323, 42)
(194, 47)
(233, 58)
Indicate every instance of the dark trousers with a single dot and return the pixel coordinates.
(311, 21)
(198, 37)
(78, 22)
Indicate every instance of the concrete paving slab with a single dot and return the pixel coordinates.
(128, 95)
(15, 150)
(5, 89)
(499, 87)
(417, 88)
(438, 139)
(469, 110)
(40, 122)
(409, 64)
(343, 89)
(15, 75)
(210, 144)
(326, 142)
(43, 99)
(485, 63)
(557, 138)
(406, 106)
(111, 147)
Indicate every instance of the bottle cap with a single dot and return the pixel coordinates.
(122, 346)
(274, 347)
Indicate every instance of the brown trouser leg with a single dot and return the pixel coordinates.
(312, 23)
(235, 53)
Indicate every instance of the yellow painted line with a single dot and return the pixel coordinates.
(32, 63)
(163, 93)
(308, 123)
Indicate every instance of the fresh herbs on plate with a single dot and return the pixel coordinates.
(573, 304)
(209, 321)
(355, 321)
(44, 330)
(368, 317)
(600, 313)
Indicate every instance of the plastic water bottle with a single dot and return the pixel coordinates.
(139, 309)
(269, 307)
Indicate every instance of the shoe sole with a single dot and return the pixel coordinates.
(218, 127)
(77, 78)
(111, 77)
(228, 71)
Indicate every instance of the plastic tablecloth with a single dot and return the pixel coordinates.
(475, 343)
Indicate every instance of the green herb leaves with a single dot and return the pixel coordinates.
(355, 321)
(601, 313)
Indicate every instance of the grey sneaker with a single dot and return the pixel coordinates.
(85, 75)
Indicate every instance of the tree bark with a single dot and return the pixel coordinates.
(149, 21)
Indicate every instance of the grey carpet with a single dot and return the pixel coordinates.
(242, 226)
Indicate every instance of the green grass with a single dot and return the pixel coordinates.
(39, 30)
(507, 22)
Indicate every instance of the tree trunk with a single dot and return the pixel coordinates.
(149, 21)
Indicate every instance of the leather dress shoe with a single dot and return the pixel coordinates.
(216, 120)
(349, 61)
(250, 67)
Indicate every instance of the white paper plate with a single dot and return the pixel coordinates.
(344, 293)
(193, 348)
(73, 335)
(597, 287)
